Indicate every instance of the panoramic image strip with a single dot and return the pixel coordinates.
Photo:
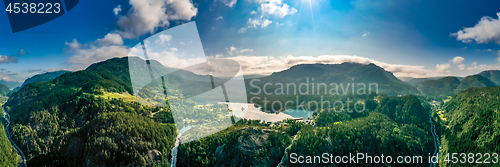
(132, 83)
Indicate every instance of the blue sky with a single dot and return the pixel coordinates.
(408, 38)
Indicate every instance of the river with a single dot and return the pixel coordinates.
(437, 143)
(18, 150)
(175, 150)
(286, 150)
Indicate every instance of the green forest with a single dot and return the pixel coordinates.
(8, 155)
(92, 118)
(472, 124)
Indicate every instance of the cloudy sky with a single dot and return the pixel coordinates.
(411, 39)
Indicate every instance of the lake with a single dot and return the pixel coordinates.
(299, 113)
(249, 111)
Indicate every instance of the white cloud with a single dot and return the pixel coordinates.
(486, 30)
(9, 76)
(117, 10)
(279, 24)
(242, 30)
(268, 8)
(164, 38)
(474, 67)
(235, 51)
(219, 18)
(269, 64)
(277, 8)
(74, 45)
(229, 3)
(258, 22)
(110, 39)
(7, 59)
(84, 55)
(481, 67)
(365, 34)
(146, 16)
(266, 22)
(458, 60)
(21, 52)
(253, 22)
(461, 66)
(443, 69)
(169, 57)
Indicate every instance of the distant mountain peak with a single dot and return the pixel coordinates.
(475, 81)
(45, 77)
(346, 72)
(492, 75)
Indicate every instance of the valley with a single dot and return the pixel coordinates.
(96, 117)
(18, 150)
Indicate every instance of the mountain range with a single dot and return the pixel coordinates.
(86, 118)
(10, 84)
(45, 77)
(449, 86)
(4, 90)
(344, 73)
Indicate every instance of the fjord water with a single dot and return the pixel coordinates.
(250, 111)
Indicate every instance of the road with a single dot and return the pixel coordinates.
(19, 152)
(437, 143)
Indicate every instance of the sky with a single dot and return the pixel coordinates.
(421, 38)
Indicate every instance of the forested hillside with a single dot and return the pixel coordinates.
(246, 143)
(8, 155)
(10, 84)
(49, 76)
(394, 126)
(492, 75)
(91, 118)
(327, 82)
(4, 90)
(439, 88)
(71, 122)
(340, 73)
(472, 124)
(475, 81)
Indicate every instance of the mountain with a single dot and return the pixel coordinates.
(346, 73)
(477, 81)
(10, 84)
(492, 75)
(325, 82)
(441, 87)
(253, 76)
(395, 126)
(417, 81)
(44, 77)
(81, 119)
(471, 123)
(245, 143)
(14, 90)
(92, 118)
(4, 90)
(404, 79)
